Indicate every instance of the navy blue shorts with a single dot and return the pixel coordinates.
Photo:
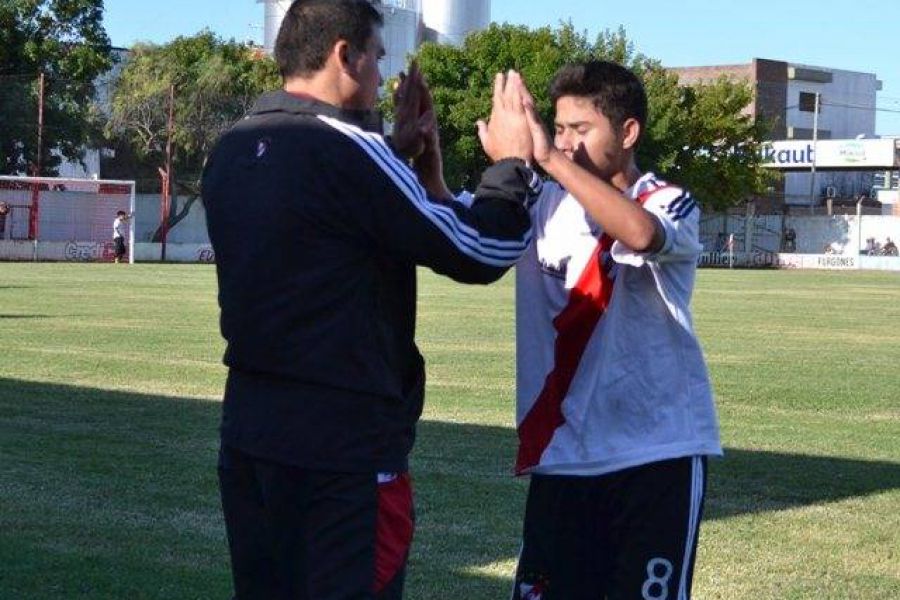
(628, 535)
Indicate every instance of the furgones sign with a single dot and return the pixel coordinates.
(845, 155)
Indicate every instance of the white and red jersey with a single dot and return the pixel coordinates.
(609, 372)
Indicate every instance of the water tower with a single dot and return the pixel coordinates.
(402, 33)
(406, 22)
(275, 11)
(450, 21)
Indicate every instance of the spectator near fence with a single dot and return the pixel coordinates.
(790, 240)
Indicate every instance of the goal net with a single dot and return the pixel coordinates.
(57, 219)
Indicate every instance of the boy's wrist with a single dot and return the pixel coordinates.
(550, 161)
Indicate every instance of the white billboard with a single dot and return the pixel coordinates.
(846, 155)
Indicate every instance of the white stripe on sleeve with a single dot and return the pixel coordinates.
(467, 239)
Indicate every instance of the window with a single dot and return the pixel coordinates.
(808, 102)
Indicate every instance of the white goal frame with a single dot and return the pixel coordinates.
(83, 185)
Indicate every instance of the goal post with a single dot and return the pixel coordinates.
(62, 219)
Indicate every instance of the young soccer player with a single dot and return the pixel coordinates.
(120, 230)
(615, 412)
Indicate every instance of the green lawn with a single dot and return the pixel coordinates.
(110, 375)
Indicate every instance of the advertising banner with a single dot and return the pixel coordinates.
(845, 155)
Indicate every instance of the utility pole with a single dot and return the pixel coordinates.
(167, 177)
(36, 188)
(40, 131)
(815, 139)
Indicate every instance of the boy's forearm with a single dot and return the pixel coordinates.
(620, 217)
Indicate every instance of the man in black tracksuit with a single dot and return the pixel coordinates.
(317, 227)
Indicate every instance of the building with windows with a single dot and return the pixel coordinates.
(795, 98)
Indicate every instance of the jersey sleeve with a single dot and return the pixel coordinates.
(679, 214)
(473, 243)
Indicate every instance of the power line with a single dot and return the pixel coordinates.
(872, 108)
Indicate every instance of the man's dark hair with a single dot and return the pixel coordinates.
(121, 213)
(615, 91)
(311, 28)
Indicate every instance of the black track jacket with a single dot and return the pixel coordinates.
(317, 229)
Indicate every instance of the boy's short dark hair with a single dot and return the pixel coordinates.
(615, 91)
(311, 28)
(121, 213)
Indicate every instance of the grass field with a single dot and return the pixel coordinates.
(109, 380)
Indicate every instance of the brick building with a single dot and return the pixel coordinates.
(785, 95)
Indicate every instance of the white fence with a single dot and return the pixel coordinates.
(758, 240)
(27, 250)
(781, 260)
(764, 233)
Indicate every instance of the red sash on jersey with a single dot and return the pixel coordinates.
(574, 327)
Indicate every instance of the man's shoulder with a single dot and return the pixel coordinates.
(261, 136)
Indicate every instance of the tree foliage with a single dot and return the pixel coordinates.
(65, 40)
(697, 136)
(215, 82)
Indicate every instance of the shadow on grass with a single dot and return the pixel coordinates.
(744, 481)
(126, 481)
(25, 316)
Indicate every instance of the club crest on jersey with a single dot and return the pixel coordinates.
(262, 146)
(387, 477)
(556, 269)
(531, 591)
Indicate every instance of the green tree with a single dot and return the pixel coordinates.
(698, 136)
(215, 82)
(65, 40)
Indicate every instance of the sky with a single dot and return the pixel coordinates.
(862, 35)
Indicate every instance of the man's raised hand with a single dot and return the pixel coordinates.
(414, 121)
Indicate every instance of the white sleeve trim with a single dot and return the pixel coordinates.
(679, 208)
(467, 239)
(465, 197)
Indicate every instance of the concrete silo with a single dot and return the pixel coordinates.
(450, 21)
(402, 33)
(275, 11)
(407, 23)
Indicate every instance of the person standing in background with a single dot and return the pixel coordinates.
(120, 230)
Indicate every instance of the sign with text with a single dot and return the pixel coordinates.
(847, 155)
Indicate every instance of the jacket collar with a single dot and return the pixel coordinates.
(280, 101)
